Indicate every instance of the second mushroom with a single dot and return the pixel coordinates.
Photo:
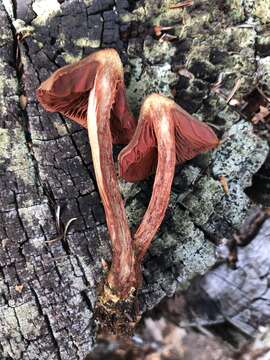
(166, 135)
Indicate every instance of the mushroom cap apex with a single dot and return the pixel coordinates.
(157, 99)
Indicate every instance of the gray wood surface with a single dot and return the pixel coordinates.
(48, 290)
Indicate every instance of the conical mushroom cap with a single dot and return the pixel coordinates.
(67, 91)
(139, 158)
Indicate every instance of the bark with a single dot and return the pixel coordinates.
(48, 290)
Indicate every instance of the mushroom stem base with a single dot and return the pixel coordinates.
(115, 315)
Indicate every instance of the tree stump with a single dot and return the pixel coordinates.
(48, 288)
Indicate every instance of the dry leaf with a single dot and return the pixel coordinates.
(261, 115)
(224, 184)
(182, 4)
(234, 90)
(186, 73)
(105, 265)
(4, 243)
(234, 102)
(158, 29)
(168, 37)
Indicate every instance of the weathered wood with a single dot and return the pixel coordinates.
(236, 297)
(48, 290)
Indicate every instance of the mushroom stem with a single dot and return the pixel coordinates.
(121, 279)
(163, 129)
(165, 135)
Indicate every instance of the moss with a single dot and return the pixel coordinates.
(242, 37)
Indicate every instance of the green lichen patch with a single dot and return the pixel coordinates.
(201, 202)
(135, 211)
(151, 79)
(128, 190)
(240, 155)
(262, 10)
(157, 52)
(235, 205)
(235, 10)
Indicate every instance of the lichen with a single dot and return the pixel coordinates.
(264, 72)
(15, 155)
(86, 42)
(8, 85)
(29, 320)
(201, 202)
(240, 155)
(45, 11)
(155, 78)
(235, 10)
(157, 52)
(35, 217)
(262, 10)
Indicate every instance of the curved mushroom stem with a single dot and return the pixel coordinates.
(165, 135)
(121, 280)
(159, 114)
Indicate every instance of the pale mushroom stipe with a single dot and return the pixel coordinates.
(166, 135)
(92, 93)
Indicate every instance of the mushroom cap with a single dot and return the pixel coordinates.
(139, 158)
(67, 91)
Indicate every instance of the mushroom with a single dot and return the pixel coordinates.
(92, 92)
(166, 135)
(67, 91)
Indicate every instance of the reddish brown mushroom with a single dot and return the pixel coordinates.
(166, 135)
(67, 91)
(90, 92)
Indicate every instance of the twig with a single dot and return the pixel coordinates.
(235, 88)
(182, 4)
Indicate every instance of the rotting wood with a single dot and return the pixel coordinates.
(45, 163)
